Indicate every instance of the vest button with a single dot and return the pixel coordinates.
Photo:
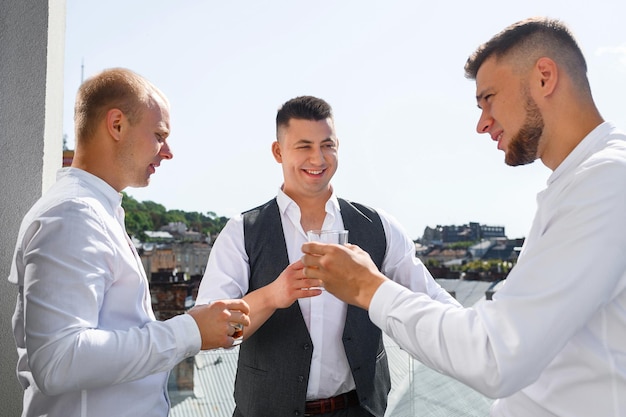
(300, 378)
(296, 413)
(306, 346)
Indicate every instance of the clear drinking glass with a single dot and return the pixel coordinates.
(339, 237)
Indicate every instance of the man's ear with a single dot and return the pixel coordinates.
(277, 152)
(548, 75)
(114, 121)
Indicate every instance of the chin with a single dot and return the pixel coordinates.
(140, 184)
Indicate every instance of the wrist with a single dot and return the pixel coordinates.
(366, 294)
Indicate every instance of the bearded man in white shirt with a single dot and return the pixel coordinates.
(87, 339)
(552, 341)
(306, 352)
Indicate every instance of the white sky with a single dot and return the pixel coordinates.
(392, 71)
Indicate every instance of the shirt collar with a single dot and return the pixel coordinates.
(582, 151)
(96, 183)
(284, 202)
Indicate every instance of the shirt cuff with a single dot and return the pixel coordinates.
(382, 302)
(187, 333)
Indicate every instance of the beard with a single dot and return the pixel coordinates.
(523, 147)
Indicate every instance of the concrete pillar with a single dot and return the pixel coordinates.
(32, 45)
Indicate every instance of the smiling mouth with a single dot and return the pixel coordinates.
(314, 172)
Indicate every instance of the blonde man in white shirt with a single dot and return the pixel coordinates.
(86, 336)
(553, 341)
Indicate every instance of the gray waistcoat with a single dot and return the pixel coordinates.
(273, 368)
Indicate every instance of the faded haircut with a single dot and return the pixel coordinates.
(303, 108)
(524, 42)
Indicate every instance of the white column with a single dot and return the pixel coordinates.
(32, 44)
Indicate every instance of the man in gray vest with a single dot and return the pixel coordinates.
(305, 352)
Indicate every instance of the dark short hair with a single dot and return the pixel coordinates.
(304, 108)
(529, 40)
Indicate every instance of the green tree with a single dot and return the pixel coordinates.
(137, 219)
(148, 215)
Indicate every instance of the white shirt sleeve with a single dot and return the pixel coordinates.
(228, 269)
(72, 271)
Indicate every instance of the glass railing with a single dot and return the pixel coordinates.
(203, 386)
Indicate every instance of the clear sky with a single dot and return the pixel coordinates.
(392, 71)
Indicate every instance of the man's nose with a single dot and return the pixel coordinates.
(166, 151)
(484, 123)
(317, 155)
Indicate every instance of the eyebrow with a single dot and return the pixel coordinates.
(163, 131)
(480, 97)
(305, 141)
(309, 141)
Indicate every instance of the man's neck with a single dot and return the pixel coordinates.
(312, 210)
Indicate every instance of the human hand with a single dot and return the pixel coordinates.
(215, 321)
(347, 271)
(291, 285)
(285, 290)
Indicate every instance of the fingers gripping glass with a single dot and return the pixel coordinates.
(237, 333)
(339, 237)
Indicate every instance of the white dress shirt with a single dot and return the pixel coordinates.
(553, 340)
(87, 340)
(228, 272)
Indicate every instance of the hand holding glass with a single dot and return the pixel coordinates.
(339, 237)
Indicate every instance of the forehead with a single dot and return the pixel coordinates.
(492, 74)
(301, 129)
(157, 114)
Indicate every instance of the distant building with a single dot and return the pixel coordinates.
(479, 250)
(442, 255)
(491, 232)
(192, 257)
(505, 249)
(159, 236)
(167, 261)
(180, 232)
(175, 228)
(471, 232)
